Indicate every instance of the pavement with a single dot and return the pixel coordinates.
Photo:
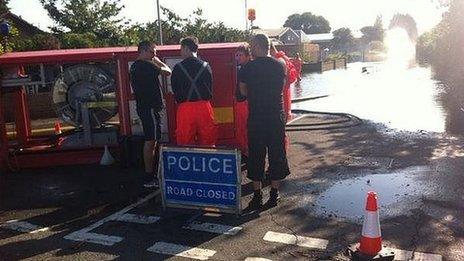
(104, 213)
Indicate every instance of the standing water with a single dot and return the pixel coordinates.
(397, 92)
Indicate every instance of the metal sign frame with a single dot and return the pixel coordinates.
(202, 206)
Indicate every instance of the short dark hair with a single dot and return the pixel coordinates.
(191, 42)
(245, 49)
(144, 46)
(262, 41)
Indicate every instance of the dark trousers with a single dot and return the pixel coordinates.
(267, 135)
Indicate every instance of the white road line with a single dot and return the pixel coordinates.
(140, 219)
(408, 255)
(257, 259)
(23, 226)
(301, 241)
(94, 238)
(182, 251)
(213, 228)
(83, 234)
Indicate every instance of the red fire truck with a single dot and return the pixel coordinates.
(91, 94)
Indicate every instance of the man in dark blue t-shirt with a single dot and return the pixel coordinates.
(262, 81)
(144, 74)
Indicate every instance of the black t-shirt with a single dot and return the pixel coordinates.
(238, 95)
(181, 84)
(145, 83)
(265, 78)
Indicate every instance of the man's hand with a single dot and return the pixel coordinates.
(165, 70)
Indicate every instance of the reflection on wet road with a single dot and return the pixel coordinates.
(403, 97)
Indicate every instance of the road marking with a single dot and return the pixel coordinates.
(23, 226)
(94, 238)
(213, 228)
(84, 235)
(140, 219)
(301, 241)
(182, 251)
(408, 255)
(257, 259)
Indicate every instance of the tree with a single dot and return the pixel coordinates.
(343, 39)
(4, 6)
(99, 17)
(407, 22)
(373, 33)
(308, 22)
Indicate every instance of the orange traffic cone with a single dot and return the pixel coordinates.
(371, 238)
(57, 128)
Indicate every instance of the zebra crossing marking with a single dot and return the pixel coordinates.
(213, 228)
(23, 226)
(140, 219)
(181, 250)
(301, 241)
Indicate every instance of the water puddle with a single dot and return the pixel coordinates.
(398, 193)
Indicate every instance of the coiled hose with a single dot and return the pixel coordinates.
(345, 120)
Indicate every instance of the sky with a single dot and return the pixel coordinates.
(269, 13)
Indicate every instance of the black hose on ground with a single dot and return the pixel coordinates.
(347, 121)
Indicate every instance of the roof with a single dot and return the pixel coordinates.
(319, 37)
(89, 54)
(19, 21)
(274, 33)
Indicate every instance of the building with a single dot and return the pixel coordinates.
(285, 35)
(25, 29)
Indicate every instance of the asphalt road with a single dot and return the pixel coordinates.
(59, 210)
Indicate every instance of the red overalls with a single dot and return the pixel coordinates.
(195, 119)
(241, 125)
(291, 78)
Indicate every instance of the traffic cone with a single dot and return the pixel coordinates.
(106, 159)
(58, 128)
(371, 238)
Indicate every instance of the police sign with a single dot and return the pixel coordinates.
(200, 178)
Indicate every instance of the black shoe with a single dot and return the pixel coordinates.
(274, 198)
(255, 203)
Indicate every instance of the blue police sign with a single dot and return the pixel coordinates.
(200, 178)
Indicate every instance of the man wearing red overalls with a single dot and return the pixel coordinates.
(192, 84)
(241, 107)
(291, 78)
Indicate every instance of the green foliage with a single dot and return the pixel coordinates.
(4, 6)
(343, 40)
(77, 27)
(175, 27)
(76, 40)
(373, 33)
(443, 45)
(99, 17)
(308, 22)
(407, 22)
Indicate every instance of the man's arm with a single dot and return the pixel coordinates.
(165, 70)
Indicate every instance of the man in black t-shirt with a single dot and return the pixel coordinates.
(192, 84)
(262, 81)
(144, 74)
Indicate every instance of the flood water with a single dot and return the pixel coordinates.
(402, 98)
(397, 92)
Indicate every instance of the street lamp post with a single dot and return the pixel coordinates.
(246, 16)
(160, 28)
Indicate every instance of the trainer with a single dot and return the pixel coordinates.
(144, 74)
(262, 81)
(192, 84)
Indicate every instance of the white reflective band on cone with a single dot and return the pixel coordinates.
(371, 225)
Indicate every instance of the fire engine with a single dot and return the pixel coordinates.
(92, 97)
